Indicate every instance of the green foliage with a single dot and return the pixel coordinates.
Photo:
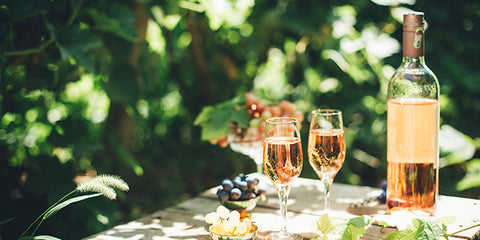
(430, 228)
(103, 185)
(215, 120)
(115, 86)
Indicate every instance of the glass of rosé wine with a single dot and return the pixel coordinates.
(282, 162)
(326, 146)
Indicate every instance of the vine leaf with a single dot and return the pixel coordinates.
(215, 120)
(77, 43)
(115, 19)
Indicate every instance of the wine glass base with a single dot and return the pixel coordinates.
(283, 236)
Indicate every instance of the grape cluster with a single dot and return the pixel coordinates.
(260, 110)
(225, 222)
(241, 188)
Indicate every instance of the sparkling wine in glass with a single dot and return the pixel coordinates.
(282, 161)
(326, 146)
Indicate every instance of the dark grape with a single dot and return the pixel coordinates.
(383, 185)
(250, 195)
(261, 191)
(252, 182)
(242, 176)
(236, 182)
(227, 185)
(235, 194)
(243, 186)
(383, 197)
(222, 195)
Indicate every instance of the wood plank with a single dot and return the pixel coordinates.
(186, 220)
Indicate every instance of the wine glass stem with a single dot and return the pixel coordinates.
(283, 192)
(326, 183)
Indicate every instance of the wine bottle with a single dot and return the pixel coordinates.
(412, 127)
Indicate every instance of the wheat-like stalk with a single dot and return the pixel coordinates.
(105, 185)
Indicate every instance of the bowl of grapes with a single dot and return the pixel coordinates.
(241, 193)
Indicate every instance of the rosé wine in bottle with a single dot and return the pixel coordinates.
(413, 114)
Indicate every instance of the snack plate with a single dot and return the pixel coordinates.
(248, 236)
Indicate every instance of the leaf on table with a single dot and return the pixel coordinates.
(215, 120)
(425, 229)
(325, 224)
(356, 227)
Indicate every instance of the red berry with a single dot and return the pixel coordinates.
(223, 142)
(250, 99)
(287, 106)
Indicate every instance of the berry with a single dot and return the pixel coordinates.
(252, 182)
(261, 191)
(276, 111)
(223, 142)
(243, 186)
(287, 106)
(383, 185)
(242, 176)
(383, 197)
(222, 195)
(227, 185)
(212, 217)
(236, 181)
(235, 194)
(223, 212)
(250, 195)
(250, 99)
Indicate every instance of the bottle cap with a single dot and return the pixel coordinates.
(413, 21)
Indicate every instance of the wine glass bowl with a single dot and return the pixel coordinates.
(282, 161)
(326, 146)
(247, 141)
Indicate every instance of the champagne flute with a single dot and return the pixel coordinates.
(326, 146)
(282, 161)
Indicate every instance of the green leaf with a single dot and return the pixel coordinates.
(408, 234)
(472, 177)
(68, 202)
(356, 227)
(42, 237)
(324, 224)
(215, 120)
(423, 229)
(46, 237)
(116, 19)
(77, 43)
(123, 85)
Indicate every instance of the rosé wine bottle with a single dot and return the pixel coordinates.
(413, 114)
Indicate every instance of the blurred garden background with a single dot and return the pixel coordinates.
(113, 87)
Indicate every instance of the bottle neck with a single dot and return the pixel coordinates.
(413, 42)
(420, 60)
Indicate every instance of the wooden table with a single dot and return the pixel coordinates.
(186, 219)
